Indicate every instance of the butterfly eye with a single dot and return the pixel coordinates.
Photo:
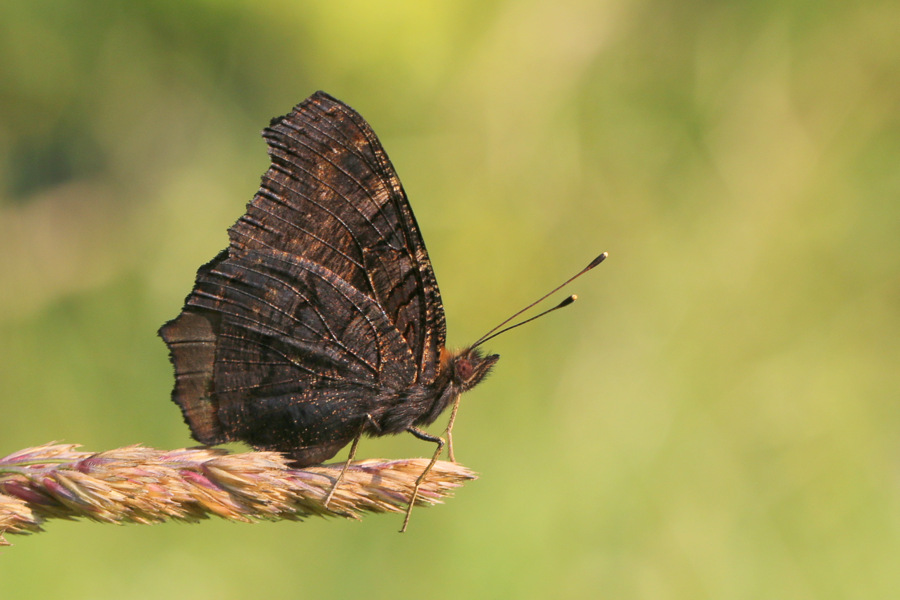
(464, 369)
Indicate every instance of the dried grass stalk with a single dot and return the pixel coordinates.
(136, 484)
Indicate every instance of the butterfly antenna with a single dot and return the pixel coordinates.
(491, 334)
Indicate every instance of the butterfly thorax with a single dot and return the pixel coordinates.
(422, 403)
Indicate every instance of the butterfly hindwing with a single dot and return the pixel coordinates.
(282, 327)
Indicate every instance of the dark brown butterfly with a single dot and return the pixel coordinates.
(322, 320)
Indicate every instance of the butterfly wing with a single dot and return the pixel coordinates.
(324, 301)
(332, 196)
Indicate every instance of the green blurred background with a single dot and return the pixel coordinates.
(717, 417)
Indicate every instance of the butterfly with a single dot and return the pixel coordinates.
(322, 320)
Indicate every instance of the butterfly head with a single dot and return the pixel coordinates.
(468, 367)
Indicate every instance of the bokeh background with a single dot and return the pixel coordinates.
(717, 417)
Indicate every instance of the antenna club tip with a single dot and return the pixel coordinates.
(567, 301)
(597, 260)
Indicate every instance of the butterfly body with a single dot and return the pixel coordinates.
(322, 320)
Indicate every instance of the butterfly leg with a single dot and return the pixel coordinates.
(440, 446)
(449, 432)
(349, 457)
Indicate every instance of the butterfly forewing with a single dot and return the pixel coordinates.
(331, 195)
